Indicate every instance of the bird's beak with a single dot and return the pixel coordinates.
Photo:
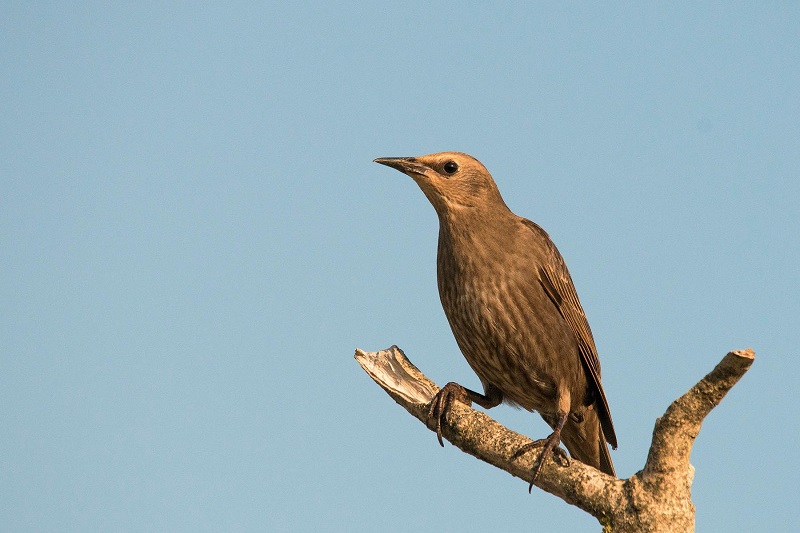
(406, 165)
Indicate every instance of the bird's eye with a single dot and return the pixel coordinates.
(451, 167)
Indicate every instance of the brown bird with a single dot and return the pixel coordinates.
(513, 310)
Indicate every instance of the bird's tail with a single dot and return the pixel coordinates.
(586, 443)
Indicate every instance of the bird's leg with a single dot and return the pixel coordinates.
(549, 447)
(452, 392)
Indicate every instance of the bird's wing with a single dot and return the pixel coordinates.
(558, 285)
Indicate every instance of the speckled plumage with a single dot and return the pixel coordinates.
(513, 309)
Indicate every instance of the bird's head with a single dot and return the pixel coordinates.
(451, 180)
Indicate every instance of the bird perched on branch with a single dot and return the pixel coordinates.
(514, 312)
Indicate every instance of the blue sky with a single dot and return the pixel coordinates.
(194, 240)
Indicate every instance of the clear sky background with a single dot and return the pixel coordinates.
(194, 240)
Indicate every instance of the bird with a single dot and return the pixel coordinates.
(514, 312)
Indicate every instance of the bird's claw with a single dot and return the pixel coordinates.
(440, 404)
(550, 448)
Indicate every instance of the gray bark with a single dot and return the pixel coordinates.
(657, 498)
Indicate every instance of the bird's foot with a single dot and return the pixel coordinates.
(550, 448)
(440, 404)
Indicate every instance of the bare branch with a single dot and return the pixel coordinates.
(675, 432)
(655, 499)
(479, 435)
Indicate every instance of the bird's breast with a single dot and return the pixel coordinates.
(505, 325)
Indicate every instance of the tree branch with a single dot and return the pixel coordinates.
(655, 499)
